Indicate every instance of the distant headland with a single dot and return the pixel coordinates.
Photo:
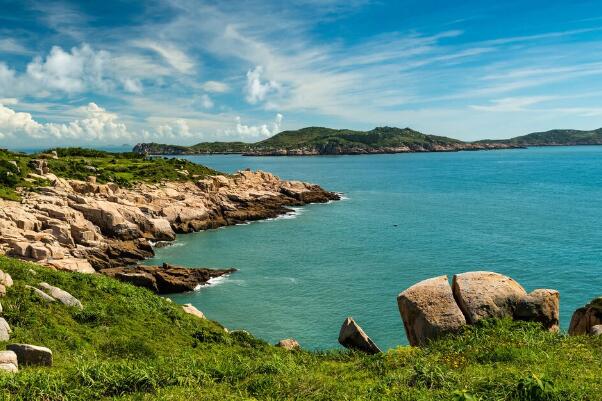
(313, 141)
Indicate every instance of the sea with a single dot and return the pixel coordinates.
(532, 214)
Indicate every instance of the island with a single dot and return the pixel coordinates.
(313, 141)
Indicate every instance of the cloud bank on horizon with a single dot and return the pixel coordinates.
(185, 71)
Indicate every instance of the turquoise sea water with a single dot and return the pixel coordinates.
(534, 214)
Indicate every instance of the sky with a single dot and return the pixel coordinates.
(94, 73)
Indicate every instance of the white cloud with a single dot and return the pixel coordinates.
(97, 125)
(172, 55)
(9, 45)
(259, 131)
(206, 102)
(256, 89)
(512, 103)
(215, 87)
(176, 130)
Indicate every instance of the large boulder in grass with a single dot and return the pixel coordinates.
(5, 279)
(585, 319)
(352, 336)
(540, 306)
(483, 295)
(192, 310)
(31, 355)
(289, 344)
(428, 310)
(61, 295)
(8, 362)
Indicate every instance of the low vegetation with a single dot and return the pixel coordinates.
(130, 344)
(124, 169)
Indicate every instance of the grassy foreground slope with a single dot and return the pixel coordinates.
(124, 169)
(128, 343)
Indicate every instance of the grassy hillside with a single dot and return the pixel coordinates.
(557, 137)
(130, 344)
(124, 169)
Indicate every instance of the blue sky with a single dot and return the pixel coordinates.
(185, 71)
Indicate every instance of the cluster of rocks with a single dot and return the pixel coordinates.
(86, 226)
(165, 279)
(433, 308)
(27, 354)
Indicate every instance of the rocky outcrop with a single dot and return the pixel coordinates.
(585, 319)
(166, 279)
(428, 310)
(84, 226)
(31, 355)
(431, 308)
(353, 337)
(289, 344)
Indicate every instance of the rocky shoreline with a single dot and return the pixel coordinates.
(341, 150)
(89, 227)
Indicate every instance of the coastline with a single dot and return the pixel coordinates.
(88, 227)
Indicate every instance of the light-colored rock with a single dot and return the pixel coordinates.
(38, 251)
(191, 310)
(31, 355)
(8, 357)
(541, 306)
(41, 294)
(61, 295)
(483, 294)
(2, 290)
(596, 330)
(5, 330)
(77, 265)
(428, 310)
(352, 336)
(8, 368)
(289, 344)
(5, 279)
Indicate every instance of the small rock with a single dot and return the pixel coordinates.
(34, 355)
(5, 279)
(8, 357)
(5, 330)
(289, 344)
(8, 367)
(54, 154)
(428, 310)
(596, 330)
(2, 290)
(32, 272)
(41, 294)
(353, 337)
(191, 310)
(61, 295)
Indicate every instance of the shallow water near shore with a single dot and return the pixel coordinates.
(534, 214)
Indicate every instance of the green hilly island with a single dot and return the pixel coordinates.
(324, 141)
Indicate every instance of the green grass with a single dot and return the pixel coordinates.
(125, 169)
(130, 344)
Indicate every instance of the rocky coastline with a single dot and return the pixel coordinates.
(87, 227)
(343, 150)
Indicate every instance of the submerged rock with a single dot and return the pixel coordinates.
(428, 310)
(352, 336)
(32, 355)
